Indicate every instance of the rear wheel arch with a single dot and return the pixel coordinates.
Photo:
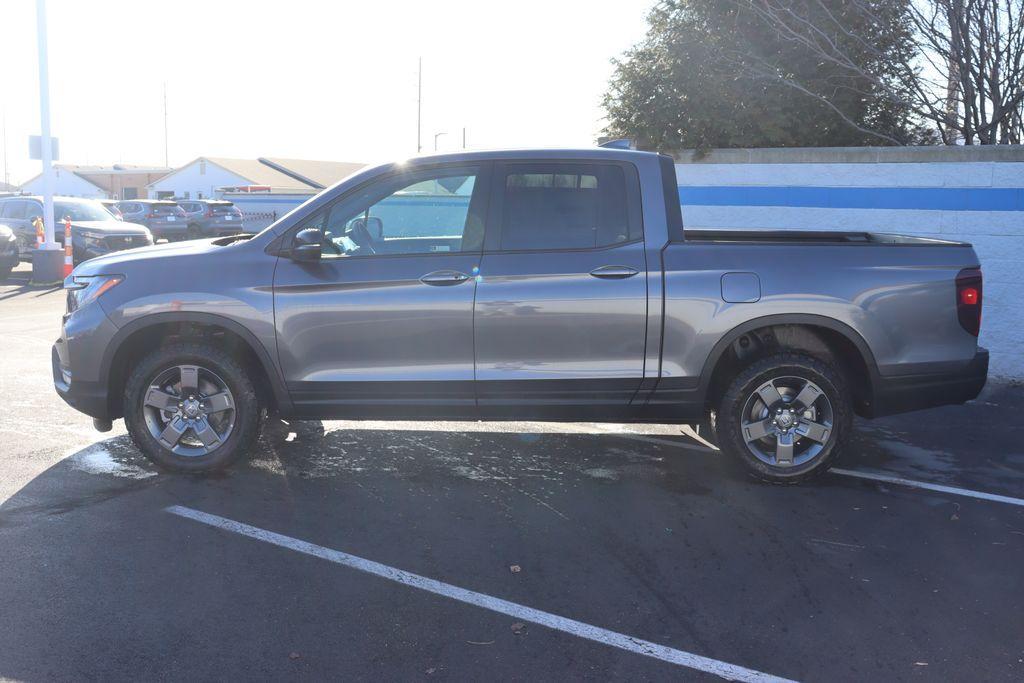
(820, 336)
(133, 341)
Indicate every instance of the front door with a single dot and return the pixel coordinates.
(383, 323)
(561, 307)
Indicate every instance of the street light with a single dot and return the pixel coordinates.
(436, 136)
(47, 261)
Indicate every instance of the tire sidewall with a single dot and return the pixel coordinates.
(247, 407)
(729, 415)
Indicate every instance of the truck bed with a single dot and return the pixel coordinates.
(831, 237)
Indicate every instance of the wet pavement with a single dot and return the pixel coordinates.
(640, 531)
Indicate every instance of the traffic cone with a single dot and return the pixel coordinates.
(69, 263)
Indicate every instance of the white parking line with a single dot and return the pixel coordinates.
(727, 671)
(941, 488)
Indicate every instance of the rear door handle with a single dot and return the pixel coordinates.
(614, 272)
(440, 278)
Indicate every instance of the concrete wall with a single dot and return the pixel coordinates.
(198, 180)
(971, 194)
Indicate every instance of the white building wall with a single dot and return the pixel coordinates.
(198, 180)
(260, 209)
(981, 202)
(67, 184)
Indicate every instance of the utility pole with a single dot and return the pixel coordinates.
(7, 176)
(463, 137)
(166, 164)
(419, 106)
(436, 136)
(47, 262)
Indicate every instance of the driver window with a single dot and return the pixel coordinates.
(416, 213)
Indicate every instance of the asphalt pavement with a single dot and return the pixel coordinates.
(507, 551)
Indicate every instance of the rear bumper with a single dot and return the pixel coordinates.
(931, 389)
(168, 229)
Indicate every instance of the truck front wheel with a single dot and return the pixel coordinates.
(191, 407)
(786, 417)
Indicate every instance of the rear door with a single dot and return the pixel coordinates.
(561, 307)
(382, 324)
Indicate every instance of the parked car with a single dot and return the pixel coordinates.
(94, 231)
(163, 217)
(111, 206)
(211, 217)
(547, 285)
(8, 251)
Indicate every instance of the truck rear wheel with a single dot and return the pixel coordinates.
(786, 417)
(191, 407)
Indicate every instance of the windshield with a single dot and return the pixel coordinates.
(80, 211)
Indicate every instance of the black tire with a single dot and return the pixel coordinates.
(785, 367)
(5, 272)
(247, 415)
(193, 232)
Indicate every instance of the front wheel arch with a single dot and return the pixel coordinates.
(135, 340)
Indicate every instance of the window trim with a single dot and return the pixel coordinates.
(499, 178)
(481, 189)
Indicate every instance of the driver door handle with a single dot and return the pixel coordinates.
(440, 278)
(614, 272)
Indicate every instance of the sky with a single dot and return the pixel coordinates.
(305, 79)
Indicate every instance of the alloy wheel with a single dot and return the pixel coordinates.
(787, 421)
(189, 410)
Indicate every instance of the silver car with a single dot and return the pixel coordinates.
(543, 285)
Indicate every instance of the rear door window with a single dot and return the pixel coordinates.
(553, 206)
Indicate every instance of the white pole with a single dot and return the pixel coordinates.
(166, 164)
(44, 115)
(419, 105)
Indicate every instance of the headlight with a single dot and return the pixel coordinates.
(6, 234)
(83, 289)
(90, 239)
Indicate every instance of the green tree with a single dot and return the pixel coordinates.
(714, 73)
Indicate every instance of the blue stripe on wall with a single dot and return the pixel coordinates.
(933, 198)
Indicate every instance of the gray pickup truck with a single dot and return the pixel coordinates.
(521, 285)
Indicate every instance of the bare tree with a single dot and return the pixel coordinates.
(965, 74)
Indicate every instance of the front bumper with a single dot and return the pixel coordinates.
(946, 386)
(77, 361)
(9, 255)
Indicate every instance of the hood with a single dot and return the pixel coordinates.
(117, 262)
(113, 226)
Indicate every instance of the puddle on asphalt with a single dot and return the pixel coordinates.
(112, 458)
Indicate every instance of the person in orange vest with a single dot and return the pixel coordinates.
(37, 223)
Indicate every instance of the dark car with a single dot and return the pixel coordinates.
(163, 217)
(8, 251)
(94, 230)
(211, 217)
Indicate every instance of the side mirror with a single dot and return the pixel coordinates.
(306, 245)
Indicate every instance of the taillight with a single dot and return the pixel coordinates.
(968, 299)
(209, 213)
(150, 215)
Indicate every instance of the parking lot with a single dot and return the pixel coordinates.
(521, 551)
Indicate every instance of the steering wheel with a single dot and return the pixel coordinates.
(327, 244)
(361, 236)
